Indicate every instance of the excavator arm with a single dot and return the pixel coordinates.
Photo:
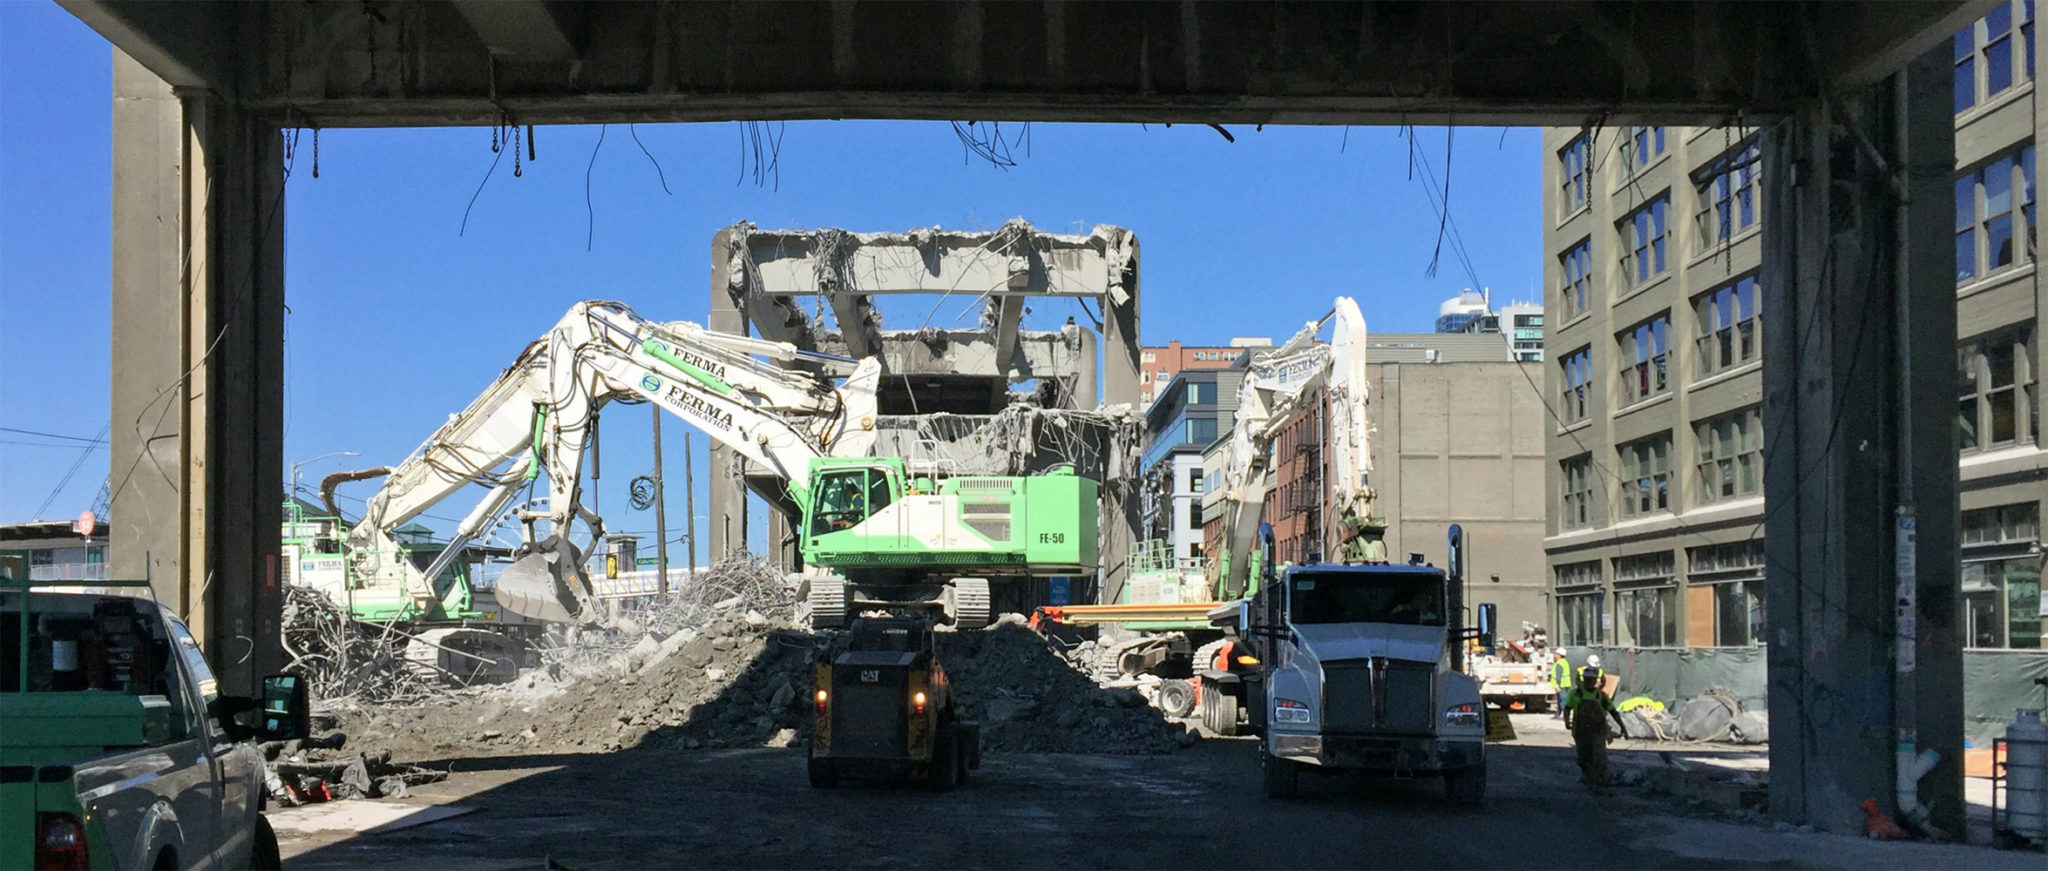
(1276, 392)
(536, 420)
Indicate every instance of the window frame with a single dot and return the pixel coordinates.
(1974, 55)
(1646, 574)
(1575, 176)
(1575, 288)
(1717, 477)
(1645, 234)
(1645, 465)
(2013, 172)
(1979, 394)
(1645, 371)
(1575, 491)
(1733, 328)
(1577, 384)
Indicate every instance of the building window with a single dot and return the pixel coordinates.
(1646, 476)
(1736, 573)
(1580, 605)
(1572, 163)
(1728, 199)
(1989, 235)
(1643, 237)
(1576, 489)
(2002, 576)
(1647, 611)
(1577, 262)
(1996, 378)
(1195, 481)
(1989, 58)
(1731, 456)
(1644, 145)
(1148, 357)
(1578, 378)
(1644, 353)
(1728, 326)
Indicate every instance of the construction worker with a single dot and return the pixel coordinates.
(1560, 679)
(1587, 708)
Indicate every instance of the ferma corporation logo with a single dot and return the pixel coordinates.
(650, 383)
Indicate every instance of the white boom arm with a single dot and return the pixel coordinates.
(537, 418)
(1272, 398)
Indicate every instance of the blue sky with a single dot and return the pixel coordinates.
(399, 317)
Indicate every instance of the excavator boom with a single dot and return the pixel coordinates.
(535, 420)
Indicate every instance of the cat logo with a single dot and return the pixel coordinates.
(870, 676)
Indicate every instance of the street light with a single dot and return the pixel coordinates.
(296, 465)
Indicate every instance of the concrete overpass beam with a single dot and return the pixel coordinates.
(1859, 290)
(198, 364)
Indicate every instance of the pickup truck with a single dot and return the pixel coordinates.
(117, 749)
(1358, 667)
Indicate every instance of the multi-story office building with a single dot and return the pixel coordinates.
(1192, 412)
(1158, 365)
(1472, 312)
(1656, 446)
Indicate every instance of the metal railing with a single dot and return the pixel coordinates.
(69, 572)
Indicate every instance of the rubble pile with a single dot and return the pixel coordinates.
(342, 659)
(1029, 698)
(738, 586)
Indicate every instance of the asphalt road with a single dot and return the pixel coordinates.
(1200, 808)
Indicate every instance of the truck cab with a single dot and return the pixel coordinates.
(117, 747)
(1358, 667)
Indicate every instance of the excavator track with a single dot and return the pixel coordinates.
(828, 602)
(970, 603)
(466, 656)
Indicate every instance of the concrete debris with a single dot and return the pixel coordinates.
(1028, 699)
(311, 771)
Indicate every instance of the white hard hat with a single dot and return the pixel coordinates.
(1560, 651)
(1593, 661)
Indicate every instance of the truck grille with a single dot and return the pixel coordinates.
(868, 718)
(1379, 695)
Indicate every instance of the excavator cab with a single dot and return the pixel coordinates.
(844, 498)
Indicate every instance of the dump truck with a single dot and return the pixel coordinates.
(117, 748)
(885, 709)
(1358, 667)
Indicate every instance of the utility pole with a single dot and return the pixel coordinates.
(660, 508)
(690, 505)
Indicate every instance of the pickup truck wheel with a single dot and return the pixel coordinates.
(1467, 787)
(1283, 778)
(265, 855)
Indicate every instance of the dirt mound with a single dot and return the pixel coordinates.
(1030, 699)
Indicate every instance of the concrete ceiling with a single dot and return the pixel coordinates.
(464, 62)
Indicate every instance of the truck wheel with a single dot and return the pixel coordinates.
(1283, 777)
(264, 854)
(823, 775)
(1176, 698)
(1466, 787)
(942, 774)
(1226, 714)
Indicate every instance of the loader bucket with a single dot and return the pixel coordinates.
(543, 584)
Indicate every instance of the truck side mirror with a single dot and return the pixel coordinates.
(285, 710)
(1489, 617)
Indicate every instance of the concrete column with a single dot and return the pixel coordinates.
(1859, 314)
(725, 486)
(198, 291)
